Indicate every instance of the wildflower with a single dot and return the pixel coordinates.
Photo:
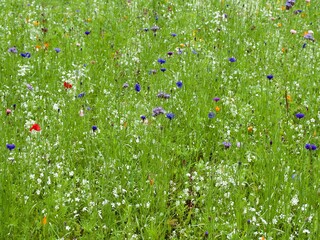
(125, 85)
(67, 85)
(299, 115)
(11, 146)
(94, 128)
(179, 84)
(163, 69)
(8, 111)
(250, 129)
(161, 61)
(57, 50)
(226, 145)
(270, 76)
(163, 95)
(289, 4)
(87, 33)
(170, 53)
(297, 11)
(146, 29)
(173, 34)
(304, 45)
(81, 95)
(232, 59)
(152, 71)
(211, 115)
(35, 127)
(216, 99)
(81, 113)
(309, 35)
(12, 50)
(206, 234)
(25, 55)
(293, 31)
(14, 106)
(44, 220)
(170, 116)
(217, 109)
(137, 87)
(157, 111)
(143, 118)
(310, 147)
(29, 87)
(154, 28)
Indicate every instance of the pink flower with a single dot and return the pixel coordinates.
(293, 31)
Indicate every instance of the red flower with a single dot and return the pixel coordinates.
(35, 127)
(67, 85)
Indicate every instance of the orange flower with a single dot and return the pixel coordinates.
(284, 50)
(46, 45)
(250, 129)
(38, 47)
(288, 97)
(44, 220)
(217, 109)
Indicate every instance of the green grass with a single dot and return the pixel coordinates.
(159, 178)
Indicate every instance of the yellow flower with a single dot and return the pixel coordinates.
(182, 45)
(250, 129)
(217, 109)
(279, 24)
(36, 23)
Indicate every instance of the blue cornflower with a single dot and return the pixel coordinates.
(161, 61)
(12, 50)
(143, 117)
(232, 59)
(270, 76)
(11, 146)
(170, 116)
(163, 69)
(137, 87)
(57, 50)
(25, 55)
(94, 128)
(299, 115)
(304, 45)
(173, 34)
(87, 32)
(311, 147)
(179, 84)
(211, 115)
(81, 95)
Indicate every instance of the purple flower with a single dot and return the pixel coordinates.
(163, 95)
(87, 33)
(216, 99)
(179, 84)
(170, 116)
(11, 146)
(289, 4)
(12, 50)
(304, 45)
(309, 37)
(170, 53)
(270, 76)
(232, 59)
(299, 115)
(125, 85)
(154, 28)
(81, 95)
(211, 115)
(163, 69)
(25, 55)
(226, 145)
(161, 61)
(57, 50)
(173, 34)
(94, 128)
(29, 87)
(157, 111)
(137, 87)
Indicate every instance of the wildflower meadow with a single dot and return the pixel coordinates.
(181, 119)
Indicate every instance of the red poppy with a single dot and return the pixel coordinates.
(35, 127)
(67, 85)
